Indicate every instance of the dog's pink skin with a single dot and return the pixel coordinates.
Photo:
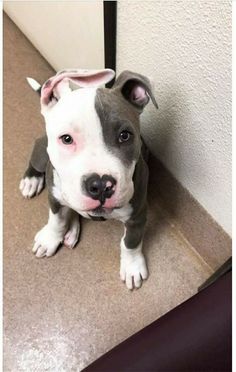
(90, 203)
(76, 146)
(110, 203)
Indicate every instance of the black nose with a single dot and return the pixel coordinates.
(100, 188)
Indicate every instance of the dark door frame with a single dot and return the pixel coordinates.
(110, 17)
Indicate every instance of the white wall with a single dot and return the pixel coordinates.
(67, 33)
(185, 46)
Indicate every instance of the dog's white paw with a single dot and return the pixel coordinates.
(133, 268)
(30, 186)
(72, 235)
(46, 242)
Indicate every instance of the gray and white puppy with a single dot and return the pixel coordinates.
(93, 161)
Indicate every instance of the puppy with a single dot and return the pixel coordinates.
(92, 158)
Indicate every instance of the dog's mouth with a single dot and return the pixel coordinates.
(101, 211)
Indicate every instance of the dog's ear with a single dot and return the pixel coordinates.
(58, 85)
(135, 88)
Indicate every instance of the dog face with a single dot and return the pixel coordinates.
(93, 137)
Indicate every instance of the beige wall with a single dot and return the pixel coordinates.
(67, 33)
(185, 46)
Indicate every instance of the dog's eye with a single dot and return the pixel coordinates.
(66, 139)
(124, 136)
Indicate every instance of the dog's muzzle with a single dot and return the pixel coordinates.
(99, 188)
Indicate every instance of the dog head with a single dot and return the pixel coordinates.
(93, 135)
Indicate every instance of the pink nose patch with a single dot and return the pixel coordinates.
(90, 204)
(109, 184)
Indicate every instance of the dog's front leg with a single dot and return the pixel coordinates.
(133, 268)
(48, 239)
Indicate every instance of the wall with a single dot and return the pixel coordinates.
(67, 33)
(185, 47)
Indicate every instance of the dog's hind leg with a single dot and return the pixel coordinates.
(72, 235)
(33, 180)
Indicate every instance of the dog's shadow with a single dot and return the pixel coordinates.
(163, 131)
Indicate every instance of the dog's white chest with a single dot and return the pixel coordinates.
(121, 214)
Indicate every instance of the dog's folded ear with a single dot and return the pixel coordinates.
(135, 88)
(58, 85)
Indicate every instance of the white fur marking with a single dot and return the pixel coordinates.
(122, 214)
(48, 239)
(33, 83)
(29, 186)
(72, 234)
(133, 269)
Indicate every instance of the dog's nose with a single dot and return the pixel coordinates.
(100, 188)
